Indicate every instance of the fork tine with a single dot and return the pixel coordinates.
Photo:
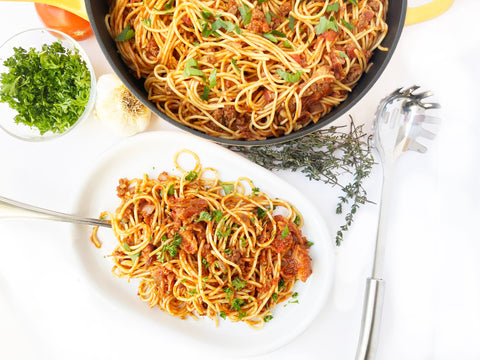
(427, 119)
(409, 90)
(424, 94)
(426, 134)
(416, 146)
(428, 106)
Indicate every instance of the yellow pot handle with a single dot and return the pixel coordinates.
(427, 11)
(74, 6)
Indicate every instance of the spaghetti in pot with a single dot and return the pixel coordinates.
(247, 70)
(203, 247)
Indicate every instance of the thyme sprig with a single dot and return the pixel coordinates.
(325, 155)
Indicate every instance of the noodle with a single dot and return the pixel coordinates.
(203, 247)
(248, 70)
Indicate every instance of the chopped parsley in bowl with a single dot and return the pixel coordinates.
(47, 84)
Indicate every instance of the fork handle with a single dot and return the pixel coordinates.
(371, 320)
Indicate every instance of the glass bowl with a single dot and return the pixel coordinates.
(36, 38)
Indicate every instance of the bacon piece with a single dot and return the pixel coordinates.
(152, 49)
(146, 255)
(189, 241)
(366, 14)
(283, 241)
(164, 278)
(302, 262)
(353, 75)
(300, 59)
(337, 63)
(268, 96)
(185, 209)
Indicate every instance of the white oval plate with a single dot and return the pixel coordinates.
(153, 152)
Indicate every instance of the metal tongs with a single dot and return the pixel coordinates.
(397, 126)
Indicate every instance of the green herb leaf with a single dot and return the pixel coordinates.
(192, 292)
(241, 315)
(342, 54)
(246, 14)
(261, 213)
(147, 22)
(347, 25)
(271, 35)
(295, 295)
(291, 22)
(126, 34)
(191, 69)
(229, 292)
(225, 233)
(234, 63)
(237, 304)
(309, 243)
(267, 318)
(238, 284)
(287, 44)
(227, 188)
(285, 232)
(223, 315)
(217, 215)
(171, 190)
(268, 17)
(48, 88)
(275, 297)
(354, 2)
(192, 175)
(168, 5)
(333, 7)
(259, 2)
(326, 24)
(204, 216)
(292, 78)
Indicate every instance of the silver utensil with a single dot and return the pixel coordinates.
(396, 129)
(25, 209)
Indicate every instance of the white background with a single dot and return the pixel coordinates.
(48, 310)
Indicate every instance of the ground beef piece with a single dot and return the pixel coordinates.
(259, 22)
(284, 9)
(122, 187)
(337, 63)
(232, 7)
(152, 49)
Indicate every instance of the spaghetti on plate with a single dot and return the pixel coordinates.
(247, 69)
(203, 247)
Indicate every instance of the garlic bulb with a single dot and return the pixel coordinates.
(116, 107)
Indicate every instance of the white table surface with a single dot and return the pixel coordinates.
(48, 310)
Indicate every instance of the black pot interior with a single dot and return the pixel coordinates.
(395, 19)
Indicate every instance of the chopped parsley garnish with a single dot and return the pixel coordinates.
(354, 2)
(168, 5)
(135, 256)
(295, 295)
(238, 284)
(205, 263)
(228, 251)
(297, 220)
(170, 248)
(326, 24)
(271, 35)
(342, 54)
(261, 213)
(285, 232)
(224, 233)
(49, 88)
(147, 22)
(246, 14)
(192, 292)
(126, 34)
(268, 17)
(267, 318)
(281, 284)
(211, 83)
(241, 315)
(347, 25)
(237, 304)
(223, 315)
(275, 297)
(192, 175)
(229, 292)
(171, 190)
(191, 69)
(227, 188)
(333, 7)
(291, 22)
(287, 44)
(234, 63)
(291, 78)
(217, 215)
(309, 243)
(204, 216)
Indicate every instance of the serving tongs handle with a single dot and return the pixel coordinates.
(371, 319)
(16, 208)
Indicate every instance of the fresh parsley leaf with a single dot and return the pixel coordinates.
(333, 7)
(271, 35)
(285, 232)
(235, 66)
(261, 213)
(342, 54)
(191, 69)
(326, 24)
(246, 14)
(217, 215)
(291, 78)
(135, 256)
(126, 34)
(168, 5)
(268, 17)
(229, 292)
(171, 190)
(237, 304)
(281, 284)
(227, 188)
(275, 297)
(223, 315)
(228, 251)
(192, 292)
(347, 25)
(354, 2)
(295, 295)
(267, 318)
(241, 315)
(297, 220)
(147, 22)
(49, 88)
(192, 175)
(204, 216)
(225, 233)
(309, 243)
(287, 44)
(205, 263)
(291, 22)
(238, 284)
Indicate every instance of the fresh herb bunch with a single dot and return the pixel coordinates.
(48, 88)
(324, 155)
